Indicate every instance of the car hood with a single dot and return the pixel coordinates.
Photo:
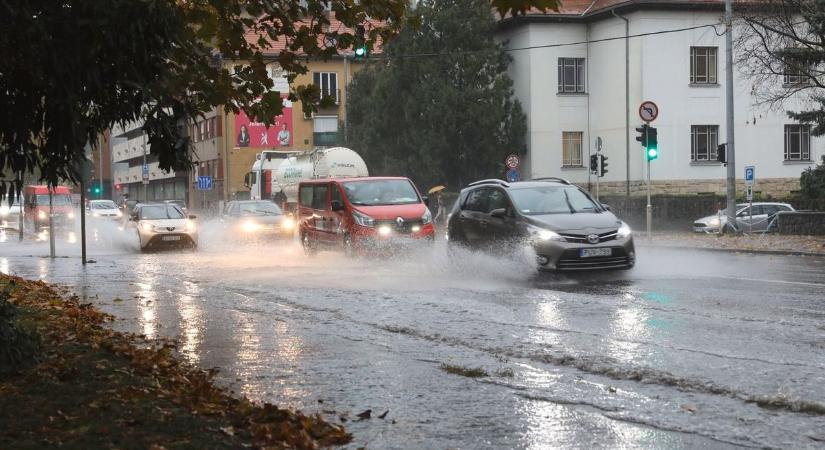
(706, 219)
(105, 211)
(265, 220)
(178, 224)
(412, 211)
(579, 222)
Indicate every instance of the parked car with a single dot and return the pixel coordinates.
(36, 207)
(256, 218)
(9, 214)
(363, 214)
(104, 208)
(756, 218)
(567, 228)
(162, 225)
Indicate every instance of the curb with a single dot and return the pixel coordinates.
(731, 250)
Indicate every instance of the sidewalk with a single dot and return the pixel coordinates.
(79, 384)
(761, 243)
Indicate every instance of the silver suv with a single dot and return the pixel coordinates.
(567, 228)
(748, 218)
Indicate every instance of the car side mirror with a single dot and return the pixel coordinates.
(337, 205)
(426, 200)
(500, 212)
(193, 217)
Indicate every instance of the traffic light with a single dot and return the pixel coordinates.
(722, 153)
(652, 144)
(96, 189)
(602, 165)
(360, 52)
(642, 137)
(594, 164)
(360, 47)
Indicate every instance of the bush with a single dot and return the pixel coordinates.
(812, 181)
(17, 346)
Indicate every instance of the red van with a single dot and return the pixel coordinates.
(36, 207)
(362, 214)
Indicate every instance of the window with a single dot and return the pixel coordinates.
(319, 197)
(703, 142)
(497, 200)
(325, 131)
(797, 142)
(571, 144)
(795, 69)
(477, 200)
(306, 195)
(328, 83)
(703, 65)
(571, 75)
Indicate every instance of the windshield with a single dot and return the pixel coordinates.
(381, 192)
(259, 209)
(106, 204)
(552, 200)
(57, 200)
(160, 212)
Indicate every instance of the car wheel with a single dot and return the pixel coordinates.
(306, 243)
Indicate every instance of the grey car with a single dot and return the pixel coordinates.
(567, 228)
(748, 218)
(251, 219)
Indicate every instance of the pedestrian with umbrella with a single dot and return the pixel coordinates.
(440, 214)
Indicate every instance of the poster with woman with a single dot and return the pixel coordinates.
(257, 134)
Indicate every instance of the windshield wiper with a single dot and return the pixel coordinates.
(569, 205)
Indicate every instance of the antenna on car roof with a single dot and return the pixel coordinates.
(490, 181)
(560, 180)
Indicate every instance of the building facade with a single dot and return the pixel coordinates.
(580, 79)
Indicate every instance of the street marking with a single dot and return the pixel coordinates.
(801, 283)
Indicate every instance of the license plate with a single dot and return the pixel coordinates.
(591, 252)
(170, 238)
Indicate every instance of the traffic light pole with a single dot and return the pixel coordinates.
(649, 207)
(731, 175)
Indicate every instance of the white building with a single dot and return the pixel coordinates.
(573, 94)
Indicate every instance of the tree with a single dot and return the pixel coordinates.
(73, 68)
(439, 108)
(812, 182)
(780, 47)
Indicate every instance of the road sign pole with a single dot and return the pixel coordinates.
(730, 150)
(649, 208)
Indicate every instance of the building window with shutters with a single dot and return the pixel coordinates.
(703, 142)
(797, 142)
(703, 65)
(571, 75)
(327, 82)
(571, 144)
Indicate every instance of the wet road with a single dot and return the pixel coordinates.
(690, 349)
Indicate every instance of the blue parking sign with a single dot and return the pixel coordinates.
(513, 175)
(750, 173)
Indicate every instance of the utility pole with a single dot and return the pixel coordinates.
(51, 223)
(731, 176)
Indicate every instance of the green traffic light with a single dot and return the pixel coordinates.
(652, 153)
(360, 52)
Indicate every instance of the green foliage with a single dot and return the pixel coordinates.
(440, 107)
(17, 346)
(812, 181)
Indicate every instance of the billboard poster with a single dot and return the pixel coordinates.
(256, 134)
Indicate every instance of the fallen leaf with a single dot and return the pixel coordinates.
(384, 415)
(689, 408)
(365, 415)
(229, 431)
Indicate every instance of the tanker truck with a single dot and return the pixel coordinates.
(274, 171)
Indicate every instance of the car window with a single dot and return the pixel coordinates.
(756, 210)
(305, 196)
(57, 200)
(156, 212)
(552, 200)
(477, 200)
(336, 193)
(381, 192)
(781, 208)
(103, 205)
(319, 197)
(259, 209)
(497, 200)
(769, 209)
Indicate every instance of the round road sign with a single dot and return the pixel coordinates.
(512, 161)
(648, 111)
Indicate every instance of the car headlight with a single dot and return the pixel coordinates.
(384, 230)
(541, 234)
(4, 211)
(190, 226)
(147, 226)
(70, 215)
(427, 217)
(363, 219)
(41, 214)
(715, 222)
(118, 214)
(624, 231)
(249, 226)
(288, 223)
(94, 214)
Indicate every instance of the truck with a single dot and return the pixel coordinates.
(275, 171)
(36, 207)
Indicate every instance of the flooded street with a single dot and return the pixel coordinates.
(690, 349)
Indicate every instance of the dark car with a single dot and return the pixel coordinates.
(253, 218)
(567, 228)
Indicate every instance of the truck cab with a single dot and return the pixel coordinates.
(36, 207)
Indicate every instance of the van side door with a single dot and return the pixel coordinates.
(321, 212)
(306, 217)
(338, 219)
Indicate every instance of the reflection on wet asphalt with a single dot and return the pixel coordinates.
(689, 349)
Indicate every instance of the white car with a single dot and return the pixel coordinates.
(759, 218)
(163, 225)
(104, 208)
(9, 215)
